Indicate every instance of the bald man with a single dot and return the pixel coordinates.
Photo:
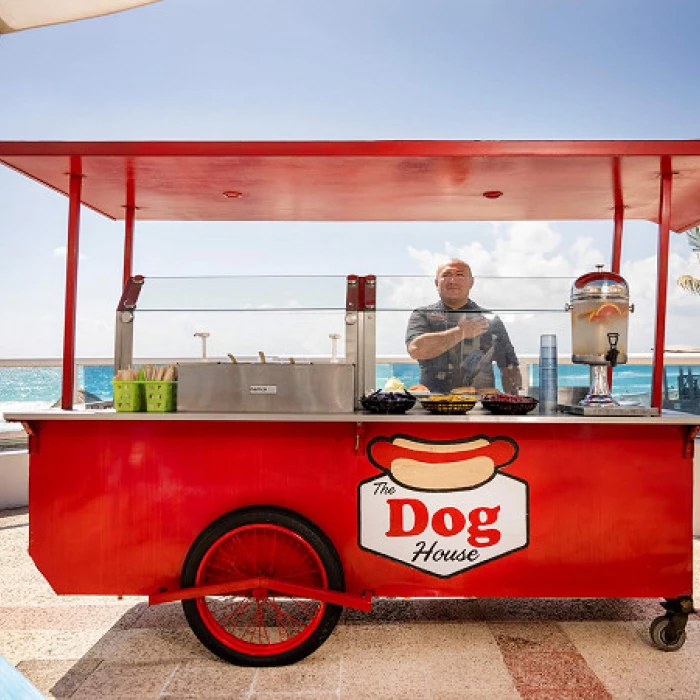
(454, 343)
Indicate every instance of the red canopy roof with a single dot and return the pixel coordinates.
(371, 181)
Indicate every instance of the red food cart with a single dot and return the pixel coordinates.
(265, 524)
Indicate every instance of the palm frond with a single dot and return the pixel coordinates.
(689, 284)
(694, 239)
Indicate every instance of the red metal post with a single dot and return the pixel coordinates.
(661, 281)
(617, 240)
(617, 232)
(619, 217)
(129, 218)
(76, 182)
(128, 244)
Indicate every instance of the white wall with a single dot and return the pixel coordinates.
(14, 478)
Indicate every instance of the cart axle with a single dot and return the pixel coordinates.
(363, 602)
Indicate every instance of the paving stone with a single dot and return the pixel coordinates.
(551, 671)
(522, 636)
(215, 679)
(312, 675)
(60, 679)
(137, 681)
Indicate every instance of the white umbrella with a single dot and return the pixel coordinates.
(27, 14)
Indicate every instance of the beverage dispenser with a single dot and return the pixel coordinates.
(599, 319)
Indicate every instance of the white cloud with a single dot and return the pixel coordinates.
(683, 308)
(428, 261)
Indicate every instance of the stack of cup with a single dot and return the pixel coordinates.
(548, 374)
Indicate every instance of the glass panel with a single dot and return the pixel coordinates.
(280, 316)
(499, 294)
(279, 335)
(242, 293)
(292, 316)
(514, 312)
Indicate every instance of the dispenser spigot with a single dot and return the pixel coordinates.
(611, 355)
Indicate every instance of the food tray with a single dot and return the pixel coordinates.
(388, 402)
(512, 406)
(609, 410)
(448, 406)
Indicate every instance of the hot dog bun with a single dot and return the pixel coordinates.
(440, 465)
(440, 477)
(463, 390)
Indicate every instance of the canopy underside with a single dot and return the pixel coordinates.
(371, 181)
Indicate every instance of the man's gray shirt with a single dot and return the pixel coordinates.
(469, 363)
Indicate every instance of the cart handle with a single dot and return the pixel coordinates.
(363, 602)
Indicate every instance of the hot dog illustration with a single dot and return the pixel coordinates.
(441, 465)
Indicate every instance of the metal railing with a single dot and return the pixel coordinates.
(527, 362)
(685, 358)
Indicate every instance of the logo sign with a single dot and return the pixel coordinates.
(263, 389)
(443, 506)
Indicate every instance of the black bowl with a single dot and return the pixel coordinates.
(388, 402)
(509, 405)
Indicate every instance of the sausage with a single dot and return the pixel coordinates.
(437, 447)
(440, 466)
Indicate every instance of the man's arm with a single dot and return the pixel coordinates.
(429, 345)
(507, 361)
(511, 378)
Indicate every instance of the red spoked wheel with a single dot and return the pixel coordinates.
(259, 626)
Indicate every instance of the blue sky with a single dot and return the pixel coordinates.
(275, 70)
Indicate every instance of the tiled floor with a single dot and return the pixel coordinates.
(93, 648)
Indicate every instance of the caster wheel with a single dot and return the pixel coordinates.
(659, 631)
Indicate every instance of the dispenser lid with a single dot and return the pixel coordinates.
(600, 285)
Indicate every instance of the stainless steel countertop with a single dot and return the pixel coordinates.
(416, 415)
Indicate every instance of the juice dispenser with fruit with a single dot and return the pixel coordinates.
(599, 319)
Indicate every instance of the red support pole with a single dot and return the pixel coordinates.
(619, 217)
(661, 282)
(76, 182)
(128, 244)
(617, 231)
(617, 241)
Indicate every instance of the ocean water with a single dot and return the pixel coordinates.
(26, 388)
(628, 380)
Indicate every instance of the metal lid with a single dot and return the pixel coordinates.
(600, 285)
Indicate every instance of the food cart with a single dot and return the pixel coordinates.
(266, 519)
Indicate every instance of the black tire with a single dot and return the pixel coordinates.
(659, 631)
(282, 629)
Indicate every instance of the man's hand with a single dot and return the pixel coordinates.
(472, 326)
(511, 379)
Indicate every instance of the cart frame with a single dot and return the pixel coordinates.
(143, 522)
